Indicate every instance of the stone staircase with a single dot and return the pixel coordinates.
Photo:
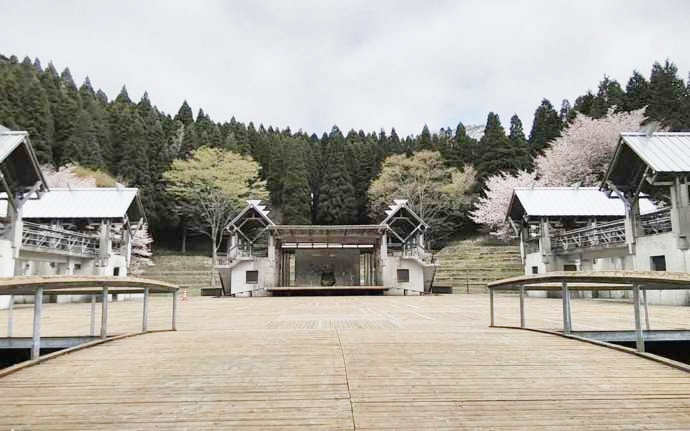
(187, 271)
(469, 264)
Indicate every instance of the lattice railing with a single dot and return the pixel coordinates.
(656, 222)
(49, 238)
(603, 235)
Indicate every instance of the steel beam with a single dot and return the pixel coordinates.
(565, 293)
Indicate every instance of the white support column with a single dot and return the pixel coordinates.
(522, 307)
(491, 305)
(10, 317)
(565, 293)
(38, 307)
(92, 331)
(646, 308)
(174, 310)
(639, 335)
(104, 314)
(145, 317)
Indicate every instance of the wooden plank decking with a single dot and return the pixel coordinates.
(345, 362)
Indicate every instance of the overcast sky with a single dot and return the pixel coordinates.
(358, 64)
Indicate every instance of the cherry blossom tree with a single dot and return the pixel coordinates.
(490, 209)
(141, 250)
(580, 155)
(584, 150)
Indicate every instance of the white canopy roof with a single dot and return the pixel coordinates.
(570, 202)
(96, 203)
(662, 152)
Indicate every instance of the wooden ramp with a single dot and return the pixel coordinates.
(343, 363)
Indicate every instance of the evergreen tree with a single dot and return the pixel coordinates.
(636, 92)
(666, 93)
(545, 128)
(336, 196)
(65, 114)
(519, 145)
(567, 114)
(185, 115)
(584, 104)
(32, 112)
(609, 95)
(296, 198)
(496, 154)
(425, 142)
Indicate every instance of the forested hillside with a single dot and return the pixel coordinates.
(137, 143)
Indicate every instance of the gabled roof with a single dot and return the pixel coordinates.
(21, 174)
(256, 207)
(568, 202)
(398, 206)
(94, 203)
(655, 157)
(662, 152)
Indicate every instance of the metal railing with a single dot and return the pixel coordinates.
(41, 237)
(603, 235)
(656, 222)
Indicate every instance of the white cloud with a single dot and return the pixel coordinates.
(357, 64)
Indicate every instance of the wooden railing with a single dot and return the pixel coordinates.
(41, 237)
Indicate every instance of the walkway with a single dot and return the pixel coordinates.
(348, 362)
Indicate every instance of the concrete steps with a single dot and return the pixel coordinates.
(190, 272)
(469, 264)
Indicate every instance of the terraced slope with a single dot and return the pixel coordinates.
(468, 265)
(191, 272)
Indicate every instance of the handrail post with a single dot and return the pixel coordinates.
(104, 314)
(145, 317)
(491, 305)
(174, 310)
(639, 335)
(646, 308)
(93, 315)
(38, 306)
(565, 293)
(10, 316)
(522, 307)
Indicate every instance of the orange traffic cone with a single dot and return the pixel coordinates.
(184, 294)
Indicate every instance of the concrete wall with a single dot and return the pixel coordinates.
(266, 271)
(415, 285)
(676, 261)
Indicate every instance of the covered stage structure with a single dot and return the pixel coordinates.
(264, 258)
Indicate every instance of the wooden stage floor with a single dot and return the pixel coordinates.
(347, 363)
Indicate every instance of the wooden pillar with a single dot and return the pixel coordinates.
(491, 305)
(10, 317)
(522, 307)
(92, 331)
(639, 335)
(38, 307)
(104, 314)
(565, 293)
(174, 310)
(145, 317)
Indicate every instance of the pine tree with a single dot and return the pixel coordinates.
(66, 114)
(567, 114)
(636, 92)
(666, 92)
(185, 115)
(296, 198)
(425, 141)
(32, 112)
(609, 95)
(583, 104)
(336, 195)
(545, 128)
(496, 154)
(519, 145)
